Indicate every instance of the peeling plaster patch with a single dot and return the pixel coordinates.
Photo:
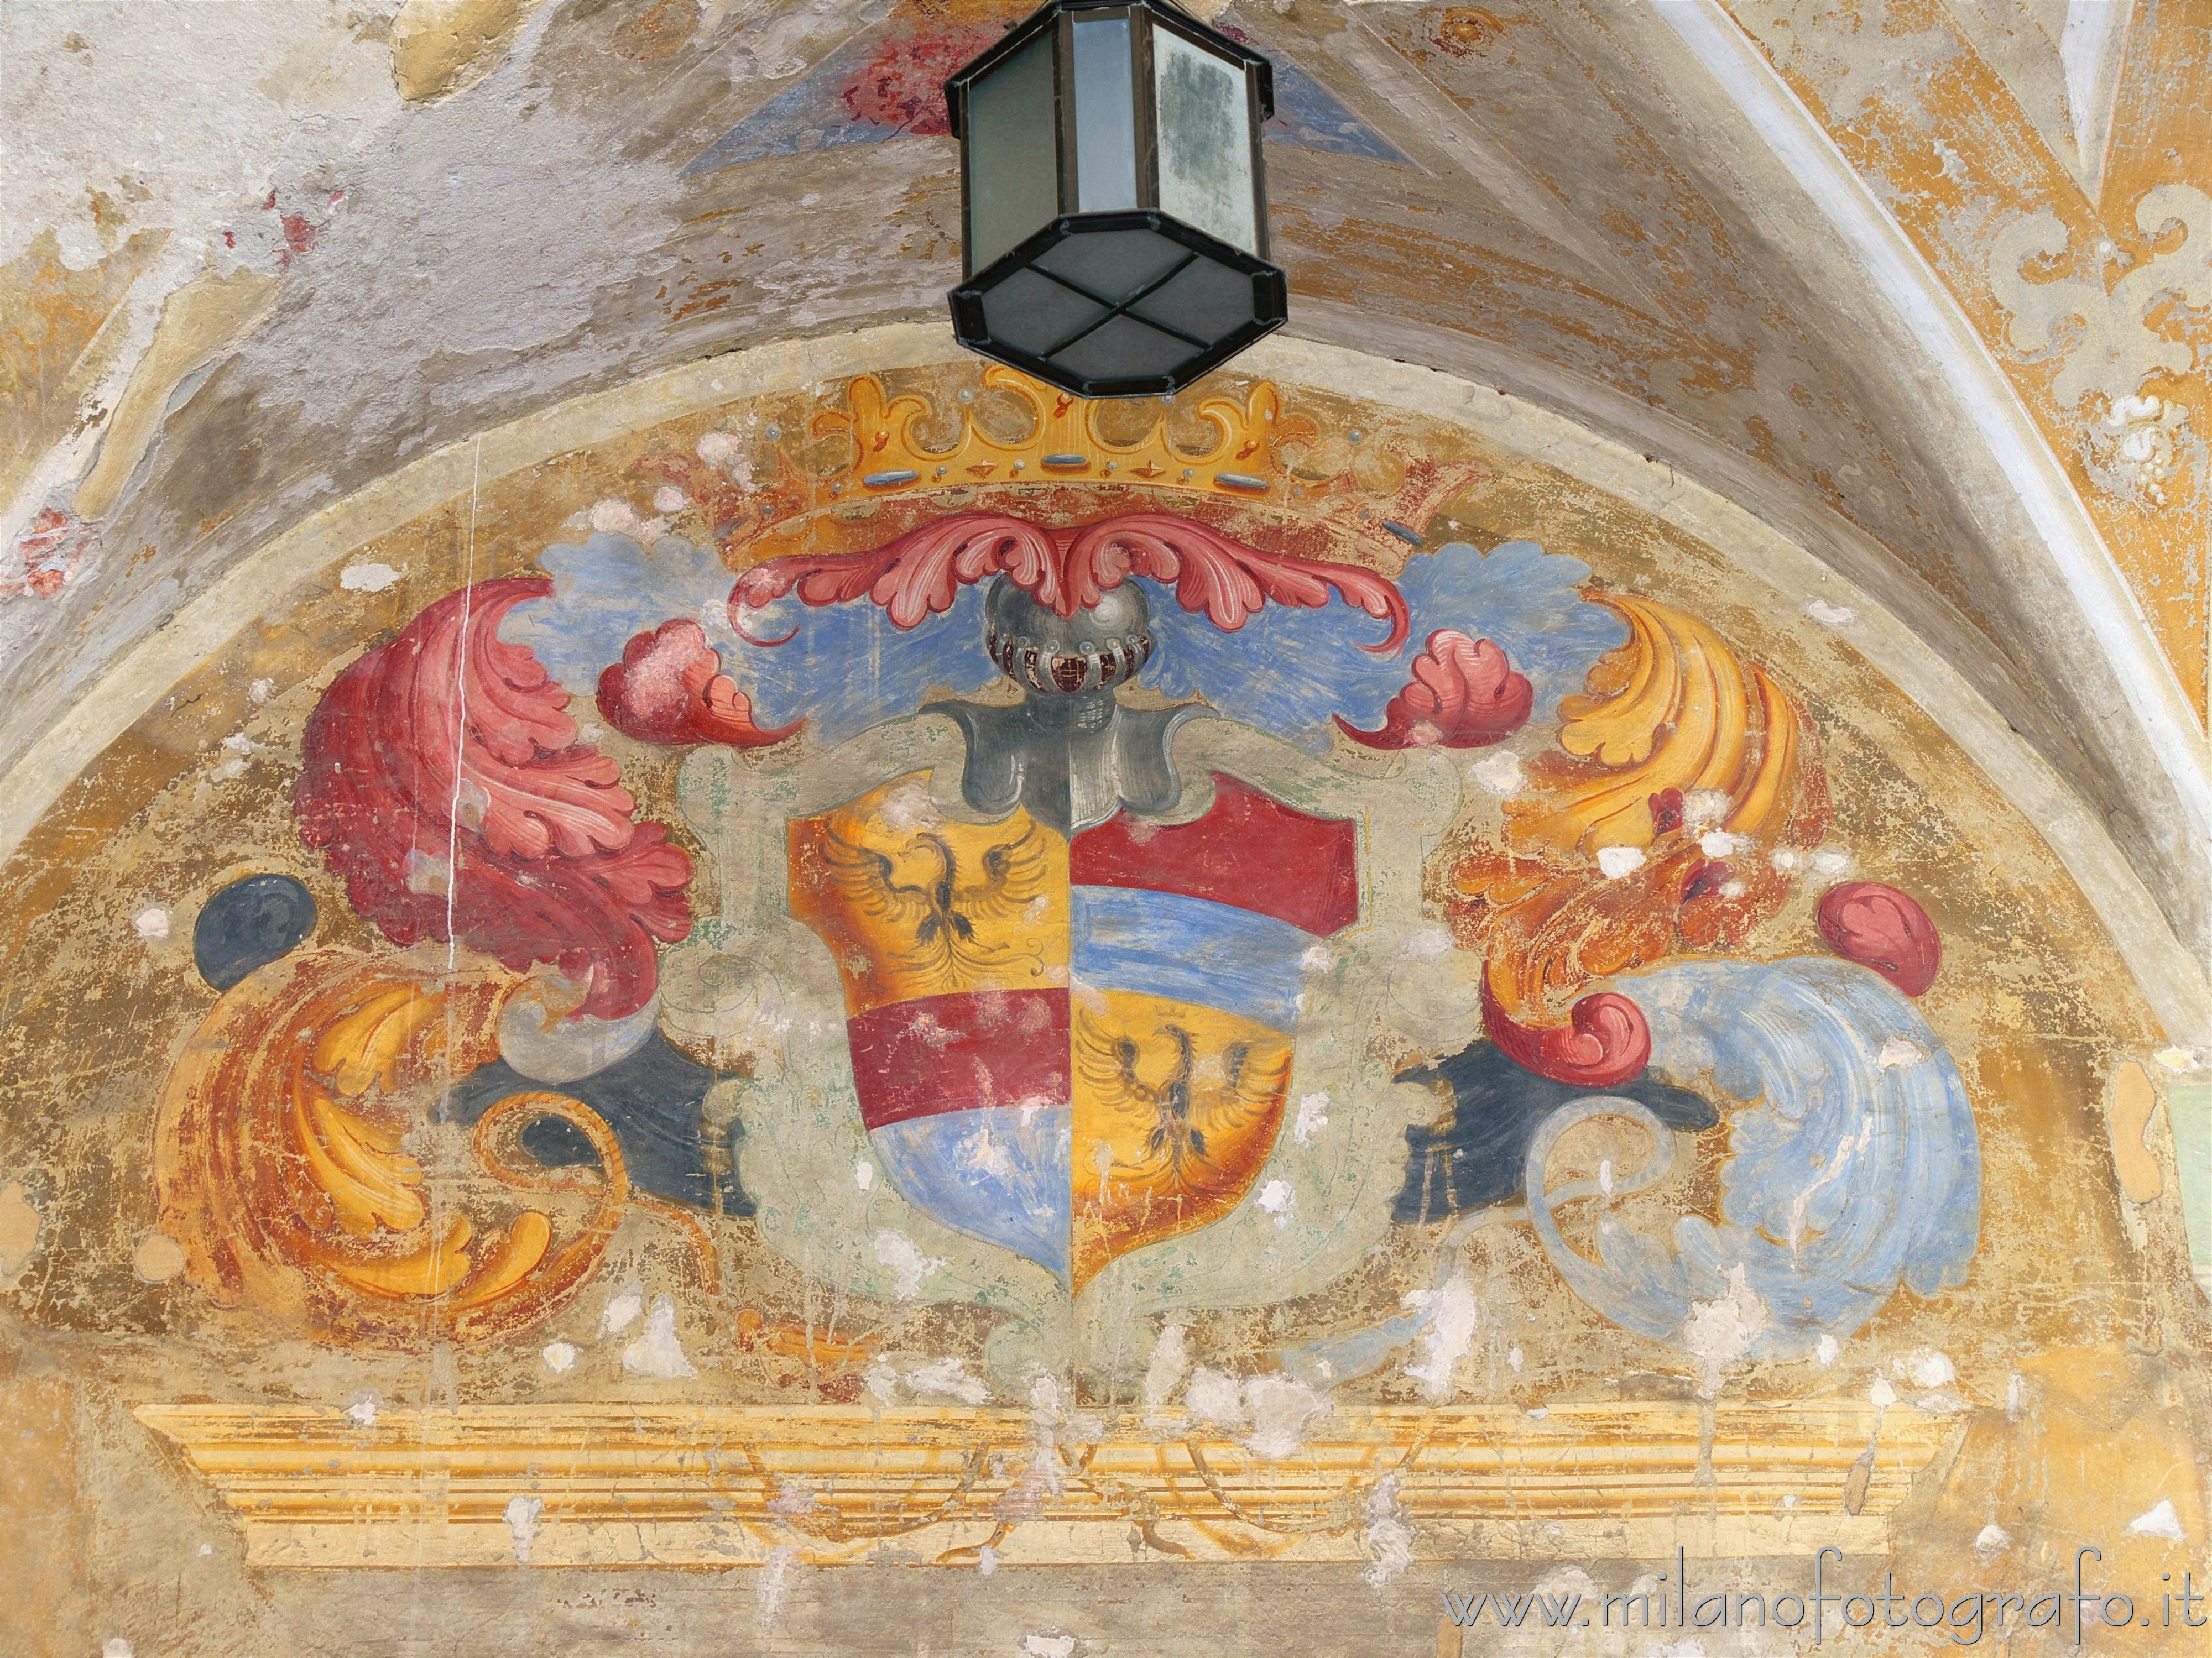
(363, 1410)
(949, 1379)
(151, 924)
(157, 1259)
(899, 1255)
(1313, 1117)
(522, 1514)
(1831, 616)
(18, 1230)
(1387, 1540)
(657, 1352)
(1992, 1541)
(2160, 1521)
(622, 1309)
(1499, 773)
(1171, 1363)
(1617, 861)
(1718, 1333)
(558, 1357)
(1452, 1312)
(369, 578)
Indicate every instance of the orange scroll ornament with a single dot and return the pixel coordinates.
(280, 1158)
(1654, 826)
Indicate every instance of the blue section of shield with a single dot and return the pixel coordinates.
(998, 1172)
(1187, 949)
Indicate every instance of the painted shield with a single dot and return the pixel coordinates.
(1072, 1049)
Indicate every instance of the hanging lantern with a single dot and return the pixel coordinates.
(1114, 208)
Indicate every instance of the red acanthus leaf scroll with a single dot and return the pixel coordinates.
(526, 851)
(669, 688)
(1463, 695)
(920, 574)
(1605, 1042)
(1880, 927)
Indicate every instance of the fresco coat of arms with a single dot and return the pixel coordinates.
(1087, 922)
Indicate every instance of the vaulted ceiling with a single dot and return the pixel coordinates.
(1928, 285)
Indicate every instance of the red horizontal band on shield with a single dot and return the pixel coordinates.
(935, 1055)
(1249, 850)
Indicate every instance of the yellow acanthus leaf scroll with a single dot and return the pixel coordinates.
(1693, 758)
(281, 1160)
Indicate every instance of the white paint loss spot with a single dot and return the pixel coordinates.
(774, 1587)
(1281, 1411)
(1784, 859)
(987, 1156)
(1171, 1363)
(948, 1378)
(1313, 1117)
(1499, 773)
(1704, 808)
(1881, 1395)
(1900, 1054)
(986, 1560)
(1928, 1369)
(151, 924)
(2015, 1395)
(363, 1410)
(1276, 1198)
(669, 499)
(1719, 1332)
(613, 518)
(369, 578)
(2160, 1521)
(1387, 1540)
(899, 1255)
(1831, 862)
(883, 1382)
(1826, 1349)
(1316, 958)
(864, 1173)
(1214, 1398)
(260, 691)
(1617, 861)
(2176, 1058)
(1450, 1332)
(1831, 616)
(1991, 1541)
(1428, 942)
(559, 1356)
(115, 1647)
(1719, 843)
(522, 1514)
(1514, 1359)
(1049, 1646)
(622, 1309)
(657, 1353)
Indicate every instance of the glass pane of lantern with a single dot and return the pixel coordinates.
(1034, 313)
(1105, 116)
(1013, 157)
(1206, 141)
(1113, 264)
(1123, 348)
(1204, 299)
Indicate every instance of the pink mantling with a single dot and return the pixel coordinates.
(1463, 695)
(1880, 927)
(921, 574)
(444, 781)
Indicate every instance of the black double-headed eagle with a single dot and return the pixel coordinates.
(1191, 1101)
(948, 916)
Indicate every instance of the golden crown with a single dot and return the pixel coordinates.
(1260, 456)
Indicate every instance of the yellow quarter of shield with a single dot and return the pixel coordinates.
(1177, 1108)
(914, 903)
